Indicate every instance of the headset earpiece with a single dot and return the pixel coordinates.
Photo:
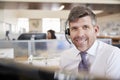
(67, 31)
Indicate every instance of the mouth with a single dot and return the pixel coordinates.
(81, 41)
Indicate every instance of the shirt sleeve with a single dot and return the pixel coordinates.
(113, 69)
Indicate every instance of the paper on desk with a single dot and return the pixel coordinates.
(46, 61)
(7, 53)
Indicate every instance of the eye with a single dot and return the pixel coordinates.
(73, 29)
(85, 27)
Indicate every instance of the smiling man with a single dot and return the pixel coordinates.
(101, 59)
(83, 33)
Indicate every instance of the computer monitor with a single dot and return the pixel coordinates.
(37, 36)
(28, 36)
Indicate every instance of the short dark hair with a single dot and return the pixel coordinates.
(81, 11)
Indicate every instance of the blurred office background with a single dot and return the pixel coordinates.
(38, 16)
(23, 16)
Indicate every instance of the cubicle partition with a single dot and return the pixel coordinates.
(20, 48)
(37, 52)
(42, 53)
(41, 58)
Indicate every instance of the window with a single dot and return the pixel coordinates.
(23, 25)
(51, 23)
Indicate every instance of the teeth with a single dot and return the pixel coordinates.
(81, 41)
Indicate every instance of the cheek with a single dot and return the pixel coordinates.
(92, 35)
(72, 35)
(48, 34)
(93, 32)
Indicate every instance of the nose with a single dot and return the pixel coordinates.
(80, 32)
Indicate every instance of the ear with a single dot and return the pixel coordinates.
(96, 28)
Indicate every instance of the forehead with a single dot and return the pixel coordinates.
(48, 32)
(80, 21)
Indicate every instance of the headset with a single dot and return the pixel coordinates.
(67, 32)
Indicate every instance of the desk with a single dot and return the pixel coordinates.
(115, 39)
(49, 63)
(7, 53)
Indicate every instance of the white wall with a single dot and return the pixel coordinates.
(8, 19)
(1, 20)
(10, 16)
(37, 14)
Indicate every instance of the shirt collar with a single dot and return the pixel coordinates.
(76, 50)
(92, 49)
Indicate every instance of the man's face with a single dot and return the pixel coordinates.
(83, 33)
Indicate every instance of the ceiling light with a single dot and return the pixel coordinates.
(97, 11)
(61, 7)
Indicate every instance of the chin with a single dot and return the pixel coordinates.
(82, 48)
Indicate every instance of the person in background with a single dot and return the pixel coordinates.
(103, 60)
(7, 35)
(51, 34)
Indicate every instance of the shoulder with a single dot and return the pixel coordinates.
(71, 51)
(104, 45)
(69, 54)
(107, 48)
(68, 58)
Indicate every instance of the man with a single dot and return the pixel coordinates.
(103, 59)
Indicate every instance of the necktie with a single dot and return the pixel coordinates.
(83, 65)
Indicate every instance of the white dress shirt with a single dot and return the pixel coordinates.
(104, 60)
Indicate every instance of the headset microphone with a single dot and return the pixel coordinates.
(67, 32)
